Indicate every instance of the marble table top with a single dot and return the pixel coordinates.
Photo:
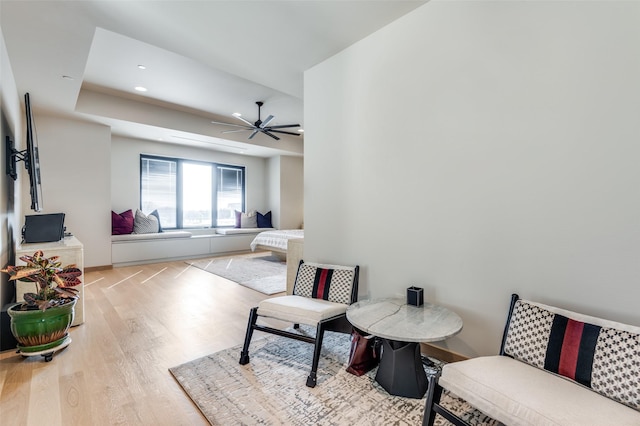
(395, 320)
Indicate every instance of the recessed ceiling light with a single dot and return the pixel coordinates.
(142, 67)
(141, 89)
(237, 114)
(301, 130)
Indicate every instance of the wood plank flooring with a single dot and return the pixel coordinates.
(139, 321)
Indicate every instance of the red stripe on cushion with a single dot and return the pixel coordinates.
(321, 283)
(570, 349)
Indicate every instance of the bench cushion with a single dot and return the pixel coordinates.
(600, 354)
(153, 236)
(515, 393)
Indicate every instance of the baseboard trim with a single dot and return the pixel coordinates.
(98, 268)
(441, 353)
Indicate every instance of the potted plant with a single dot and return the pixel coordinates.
(41, 322)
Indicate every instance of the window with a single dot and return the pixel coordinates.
(158, 189)
(229, 194)
(196, 195)
(191, 194)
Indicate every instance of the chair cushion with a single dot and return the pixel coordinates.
(514, 392)
(328, 282)
(301, 310)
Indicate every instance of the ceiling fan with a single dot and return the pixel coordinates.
(259, 126)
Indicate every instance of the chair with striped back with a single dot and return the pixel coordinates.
(321, 295)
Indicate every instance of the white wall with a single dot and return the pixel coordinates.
(75, 163)
(285, 191)
(125, 170)
(484, 148)
(291, 192)
(273, 190)
(10, 125)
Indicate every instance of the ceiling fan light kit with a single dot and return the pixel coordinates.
(259, 126)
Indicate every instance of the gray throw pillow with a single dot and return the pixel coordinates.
(249, 220)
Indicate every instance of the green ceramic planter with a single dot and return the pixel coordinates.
(38, 330)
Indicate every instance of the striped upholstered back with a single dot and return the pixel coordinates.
(602, 355)
(328, 282)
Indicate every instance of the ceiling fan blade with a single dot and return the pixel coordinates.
(270, 135)
(283, 126)
(229, 124)
(282, 131)
(244, 121)
(267, 121)
(255, 132)
(235, 131)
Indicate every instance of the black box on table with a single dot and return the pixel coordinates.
(415, 296)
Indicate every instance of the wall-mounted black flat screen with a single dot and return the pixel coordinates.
(33, 159)
(30, 156)
(43, 228)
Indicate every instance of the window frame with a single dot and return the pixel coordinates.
(215, 166)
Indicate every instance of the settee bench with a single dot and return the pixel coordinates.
(132, 249)
(555, 367)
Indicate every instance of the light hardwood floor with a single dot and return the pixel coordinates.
(139, 321)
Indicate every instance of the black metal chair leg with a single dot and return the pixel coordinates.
(434, 393)
(253, 317)
(311, 380)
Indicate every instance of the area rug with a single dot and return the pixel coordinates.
(271, 390)
(266, 274)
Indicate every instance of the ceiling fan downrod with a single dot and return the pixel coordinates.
(259, 122)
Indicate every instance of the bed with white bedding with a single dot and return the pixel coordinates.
(275, 240)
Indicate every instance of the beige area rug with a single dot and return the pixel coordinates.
(271, 390)
(266, 274)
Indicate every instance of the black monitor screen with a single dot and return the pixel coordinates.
(43, 228)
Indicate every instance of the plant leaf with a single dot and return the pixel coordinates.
(68, 277)
(66, 293)
(21, 272)
(44, 304)
(30, 298)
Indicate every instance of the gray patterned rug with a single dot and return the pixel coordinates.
(271, 390)
(266, 274)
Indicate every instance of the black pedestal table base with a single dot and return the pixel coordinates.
(401, 372)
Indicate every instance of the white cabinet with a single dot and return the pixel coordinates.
(70, 251)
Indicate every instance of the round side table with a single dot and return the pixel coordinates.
(402, 328)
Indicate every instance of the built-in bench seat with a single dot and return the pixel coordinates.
(132, 249)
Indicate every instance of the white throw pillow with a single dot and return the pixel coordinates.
(143, 224)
